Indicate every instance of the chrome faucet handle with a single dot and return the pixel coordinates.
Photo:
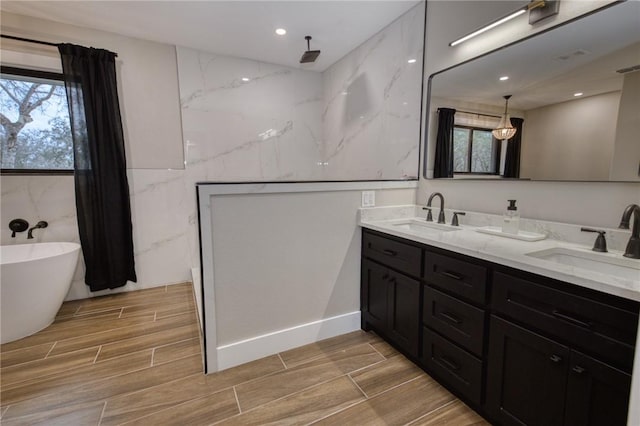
(429, 215)
(601, 243)
(454, 219)
(441, 217)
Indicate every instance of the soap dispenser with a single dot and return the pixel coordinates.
(511, 219)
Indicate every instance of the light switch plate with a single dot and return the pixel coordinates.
(368, 198)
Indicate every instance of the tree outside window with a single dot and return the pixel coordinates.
(474, 151)
(35, 132)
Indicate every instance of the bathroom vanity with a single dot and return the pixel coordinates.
(497, 327)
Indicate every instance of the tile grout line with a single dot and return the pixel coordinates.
(47, 355)
(104, 407)
(153, 354)
(379, 353)
(121, 312)
(282, 361)
(358, 386)
(97, 355)
(237, 400)
(431, 412)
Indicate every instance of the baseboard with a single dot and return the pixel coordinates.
(268, 344)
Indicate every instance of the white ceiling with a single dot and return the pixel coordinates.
(239, 28)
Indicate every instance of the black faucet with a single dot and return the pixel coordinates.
(633, 246)
(41, 224)
(441, 214)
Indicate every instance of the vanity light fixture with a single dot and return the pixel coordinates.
(542, 8)
(504, 78)
(412, 61)
(245, 79)
(281, 31)
(578, 94)
(505, 129)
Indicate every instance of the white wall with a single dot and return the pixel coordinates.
(580, 129)
(625, 164)
(281, 264)
(595, 204)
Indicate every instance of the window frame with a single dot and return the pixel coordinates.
(49, 75)
(496, 171)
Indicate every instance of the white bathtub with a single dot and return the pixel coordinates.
(34, 280)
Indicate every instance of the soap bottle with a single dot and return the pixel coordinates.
(511, 219)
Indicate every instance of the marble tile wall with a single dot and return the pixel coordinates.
(372, 99)
(158, 214)
(246, 120)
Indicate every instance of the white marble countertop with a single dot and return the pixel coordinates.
(508, 252)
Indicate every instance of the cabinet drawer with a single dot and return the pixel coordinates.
(458, 321)
(598, 328)
(458, 369)
(456, 276)
(397, 255)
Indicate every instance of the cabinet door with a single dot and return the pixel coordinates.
(375, 295)
(526, 376)
(597, 394)
(404, 312)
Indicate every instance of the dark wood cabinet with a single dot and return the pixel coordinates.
(534, 380)
(597, 394)
(519, 348)
(526, 376)
(391, 305)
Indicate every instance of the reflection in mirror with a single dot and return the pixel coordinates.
(575, 93)
(357, 118)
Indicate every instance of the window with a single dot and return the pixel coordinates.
(475, 151)
(35, 132)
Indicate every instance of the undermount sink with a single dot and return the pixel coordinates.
(604, 263)
(425, 228)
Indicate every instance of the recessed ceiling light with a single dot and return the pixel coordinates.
(281, 31)
(412, 61)
(504, 78)
(245, 79)
(578, 94)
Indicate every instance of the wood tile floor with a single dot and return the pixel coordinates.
(134, 358)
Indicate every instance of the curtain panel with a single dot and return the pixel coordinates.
(443, 166)
(101, 186)
(512, 158)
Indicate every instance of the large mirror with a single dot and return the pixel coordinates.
(575, 99)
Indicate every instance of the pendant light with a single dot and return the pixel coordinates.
(504, 130)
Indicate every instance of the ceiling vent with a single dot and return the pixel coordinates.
(575, 54)
(628, 69)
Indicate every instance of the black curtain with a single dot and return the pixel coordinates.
(102, 190)
(443, 166)
(512, 159)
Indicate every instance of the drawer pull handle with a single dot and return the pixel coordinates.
(390, 252)
(578, 369)
(451, 275)
(555, 358)
(570, 319)
(449, 363)
(451, 317)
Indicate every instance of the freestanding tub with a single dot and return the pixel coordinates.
(34, 280)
